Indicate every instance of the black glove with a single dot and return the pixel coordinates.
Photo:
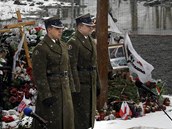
(49, 101)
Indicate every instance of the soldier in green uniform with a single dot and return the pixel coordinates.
(51, 74)
(83, 60)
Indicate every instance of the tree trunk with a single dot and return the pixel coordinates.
(134, 17)
(157, 17)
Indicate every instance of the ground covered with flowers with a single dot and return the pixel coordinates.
(127, 100)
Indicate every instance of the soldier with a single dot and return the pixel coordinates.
(51, 73)
(83, 60)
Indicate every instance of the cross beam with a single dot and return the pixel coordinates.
(4, 30)
(21, 25)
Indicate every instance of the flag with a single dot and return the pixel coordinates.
(136, 64)
(125, 111)
(158, 90)
(23, 104)
(112, 26)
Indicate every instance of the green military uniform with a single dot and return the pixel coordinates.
(83, 58)
(51, 76)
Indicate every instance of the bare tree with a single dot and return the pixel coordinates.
(134, 17)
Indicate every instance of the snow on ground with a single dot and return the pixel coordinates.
(151, 120)
(156, 120)
(8, 9)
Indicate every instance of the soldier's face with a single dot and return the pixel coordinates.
(85, 30)
(55, 33)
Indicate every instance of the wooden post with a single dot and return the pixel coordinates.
(19, 18)
(102, 49)
(21, 25)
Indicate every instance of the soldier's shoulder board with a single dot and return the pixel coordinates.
(73, 38)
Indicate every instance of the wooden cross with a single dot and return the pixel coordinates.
(4, 30)
(21, 26)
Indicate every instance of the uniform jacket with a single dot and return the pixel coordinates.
(49, 59)
(83, 57)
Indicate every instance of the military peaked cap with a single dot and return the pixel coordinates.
(54, 22)
(85, 19)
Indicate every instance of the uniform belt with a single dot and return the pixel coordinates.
(89, 68)
(61, 74)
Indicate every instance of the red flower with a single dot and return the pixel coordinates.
(7, 118)
(19, 98)
(38, 29)
(136, 79)
(13, 91)
(26, 86)
(29, 72)
(12, 99)
(20, 93)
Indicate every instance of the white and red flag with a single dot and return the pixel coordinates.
(136, 64)
(23, 104)
(125, 111)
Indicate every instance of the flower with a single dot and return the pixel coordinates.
(13, 99)
(19, 98)
(13, 91)
(29, 72)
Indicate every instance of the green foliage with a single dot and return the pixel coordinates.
(67, 35)
(123, 89)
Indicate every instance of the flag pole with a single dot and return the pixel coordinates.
(126, 53)
(154, 97)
